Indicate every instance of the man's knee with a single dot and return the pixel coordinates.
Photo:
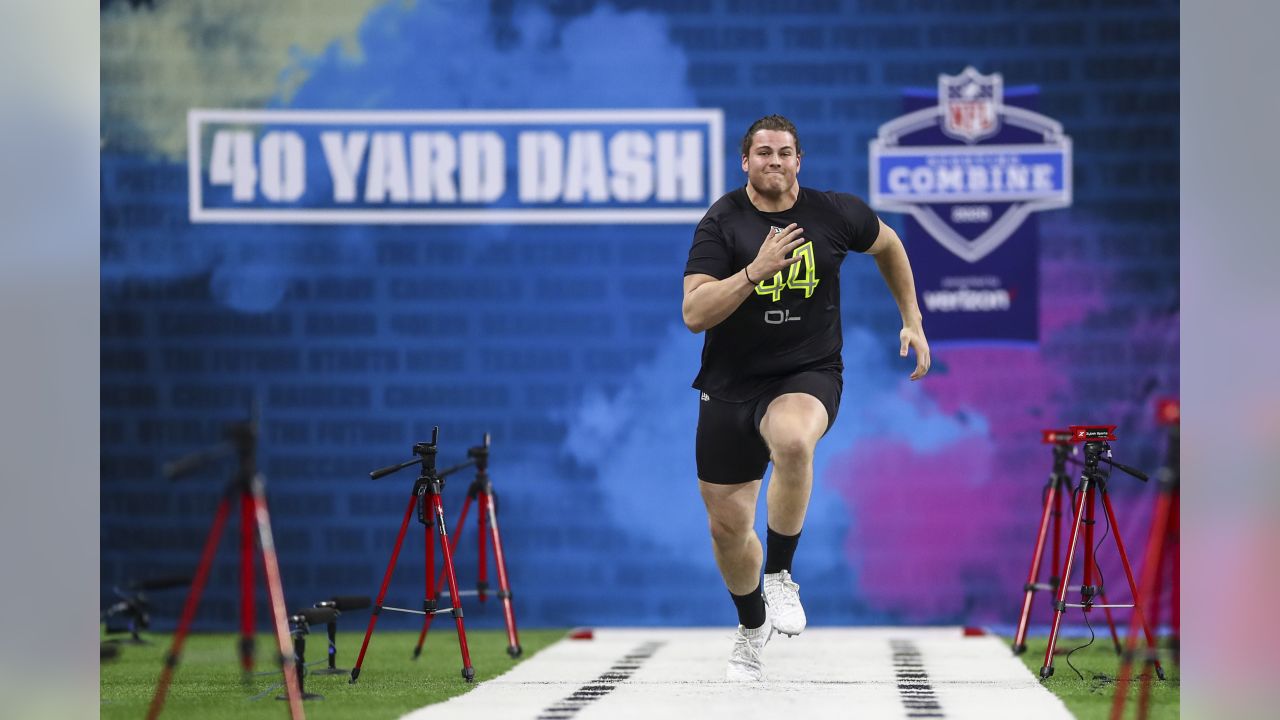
(730, 530)
(792, 449)
(791, 428)
(731, 510)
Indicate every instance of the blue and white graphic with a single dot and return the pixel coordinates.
(453, 167)
(969, 166)
(944, 186)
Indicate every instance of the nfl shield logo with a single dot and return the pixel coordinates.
(971, 103)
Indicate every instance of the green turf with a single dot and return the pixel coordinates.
(1091, 698)
(207, 683)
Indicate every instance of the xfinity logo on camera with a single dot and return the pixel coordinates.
(503, 167)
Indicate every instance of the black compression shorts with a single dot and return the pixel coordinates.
(730, 450)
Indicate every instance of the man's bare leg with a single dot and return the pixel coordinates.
(731, 513)
(791, 427)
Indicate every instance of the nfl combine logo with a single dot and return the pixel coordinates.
(971, 195)
(969, 166)
(971, 104)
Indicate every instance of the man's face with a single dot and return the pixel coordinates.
(772, 163)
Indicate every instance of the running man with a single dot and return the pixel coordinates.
(763, 281)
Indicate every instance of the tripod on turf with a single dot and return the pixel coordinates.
(481, 491)
(426, 498)
(247, 486)
(302, 622)
(1093, 482)
(1059, 485)
(340, 603)
(133, 611)
(1162, 548)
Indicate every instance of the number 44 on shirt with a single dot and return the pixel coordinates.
(802, 275)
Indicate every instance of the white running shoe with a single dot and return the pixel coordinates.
(745, 664)
(782, 597)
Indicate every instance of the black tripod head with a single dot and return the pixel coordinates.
(240, 439)
(129, 615)
(305, 618)
(133, 610)
(427, 452)
(480, 454)
(1061, 442)
(424, 455)
(1097, 449)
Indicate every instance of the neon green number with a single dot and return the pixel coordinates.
(809, 282)
(803, 275)
(773, 287)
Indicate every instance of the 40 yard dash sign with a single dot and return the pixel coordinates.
(454, 167)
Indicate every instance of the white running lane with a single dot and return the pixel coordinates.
(676, 673)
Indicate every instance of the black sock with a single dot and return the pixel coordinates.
(780, 550)
(750, 608)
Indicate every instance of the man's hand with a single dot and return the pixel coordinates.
(912, 336)
(775, 253)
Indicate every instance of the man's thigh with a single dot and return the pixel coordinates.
(802, 410)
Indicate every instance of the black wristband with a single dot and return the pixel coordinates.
(744, 272)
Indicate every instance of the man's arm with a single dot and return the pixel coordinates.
(708, 301)
(894, 266)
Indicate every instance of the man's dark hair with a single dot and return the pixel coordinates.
(770, 122)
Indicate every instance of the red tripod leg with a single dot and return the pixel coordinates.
(457, 532)
(1175, 550)
(382, 591)
(1162, 508)
(1090, 562)
(453, 547)
(189, 608)
(1059, 608)
(482, 572)
(504, 586)
(275, 595)
(468, 672)
(1144, 697)
(1154, 551)
(429, 599)
(1154, 600)
(1019, 639)
(247, 610)
(1055, 576)
(453, 544)
(1091, 565)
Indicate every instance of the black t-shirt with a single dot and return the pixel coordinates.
(791, 322)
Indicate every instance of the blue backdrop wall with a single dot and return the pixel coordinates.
(565, 341)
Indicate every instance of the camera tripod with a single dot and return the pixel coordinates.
(1093, 483)
(248, 486)
(1162, 547)
(341, 604)
(481, 491)
(426, 498)
(302, 622)
(133, 611)
(1058, 486)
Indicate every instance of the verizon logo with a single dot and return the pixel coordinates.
(967, 300)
